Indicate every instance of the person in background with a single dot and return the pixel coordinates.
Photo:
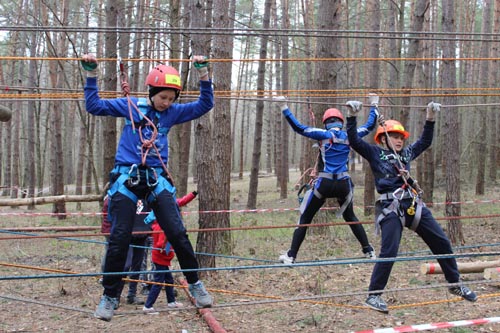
(399, 204)
(161, 256)
(140, 171)
(333, 181)
(136, 250)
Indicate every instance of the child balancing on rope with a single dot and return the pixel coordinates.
(140, 168)
(399, 204)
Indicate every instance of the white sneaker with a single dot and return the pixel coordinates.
(285, 259)
(175, 305)
(150, 310)
(371, 255)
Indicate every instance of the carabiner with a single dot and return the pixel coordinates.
(131, 180)
(396, 193)
(151, 185)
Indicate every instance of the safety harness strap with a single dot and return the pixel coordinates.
(346, 203)
(394, 207)
(333, 176)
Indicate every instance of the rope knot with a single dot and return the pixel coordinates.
(125, 88)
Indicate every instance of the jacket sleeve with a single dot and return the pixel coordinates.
(181, 113)
(424, 141)
(309, 132)
(357, 144)
(186, 199)
(370, 124)
(116, 107)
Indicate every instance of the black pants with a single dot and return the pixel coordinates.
(328, 188)
(123, 210)
(135, 256)
(431, 233)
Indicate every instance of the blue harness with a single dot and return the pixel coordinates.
(132, 175)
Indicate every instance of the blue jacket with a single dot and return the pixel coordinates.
(383, 162)
(334, 144)
(129, 147)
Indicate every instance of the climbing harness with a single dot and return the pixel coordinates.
(409, 190)
(125, 178)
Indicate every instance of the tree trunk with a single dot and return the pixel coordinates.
(110, 84)
(373, 45)
(223, 49)
(261, 72)
(451, 128)
(482, 130)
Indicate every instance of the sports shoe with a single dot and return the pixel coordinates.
(463, 292)
(200, 294)
(175, 305)
(106, 308)
(285, 259)
(150, 310)
(369, 252)
(371, 255)
(134, 300)
(376, 302)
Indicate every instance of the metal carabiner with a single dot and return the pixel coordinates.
(131, 180)
(396, 193)
(151, 185)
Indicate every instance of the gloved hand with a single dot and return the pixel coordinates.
(373, 99)
(381, 119)
(195, 193)
(353, 107)
(432, 108)
(281, 102)
(201, 65)
(89, 64)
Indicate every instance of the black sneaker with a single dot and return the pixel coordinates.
(376, 302)
(463, 292)
(134, 300)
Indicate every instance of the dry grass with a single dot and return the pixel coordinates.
(242, 293)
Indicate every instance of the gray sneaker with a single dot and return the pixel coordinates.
(106, 308)
(200, 294)
(376, 302)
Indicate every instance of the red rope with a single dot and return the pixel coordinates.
(147, 144)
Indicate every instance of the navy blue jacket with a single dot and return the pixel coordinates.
(383, 162)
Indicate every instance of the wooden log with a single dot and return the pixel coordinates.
(464, 267)
(50, 200)
(492, 273)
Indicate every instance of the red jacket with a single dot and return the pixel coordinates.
(164, 257)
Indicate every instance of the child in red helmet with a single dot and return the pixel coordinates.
(399, 204)
(140, 169)
(333, 180)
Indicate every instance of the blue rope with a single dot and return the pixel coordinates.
(233, 268)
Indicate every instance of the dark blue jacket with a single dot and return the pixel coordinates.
(383, 162)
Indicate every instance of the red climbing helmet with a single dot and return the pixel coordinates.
(163, 76)
(330, 113)
(391, 126)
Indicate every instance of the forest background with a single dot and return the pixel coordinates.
(242, 157)
(317, 53)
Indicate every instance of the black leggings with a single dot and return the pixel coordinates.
(328, 188)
